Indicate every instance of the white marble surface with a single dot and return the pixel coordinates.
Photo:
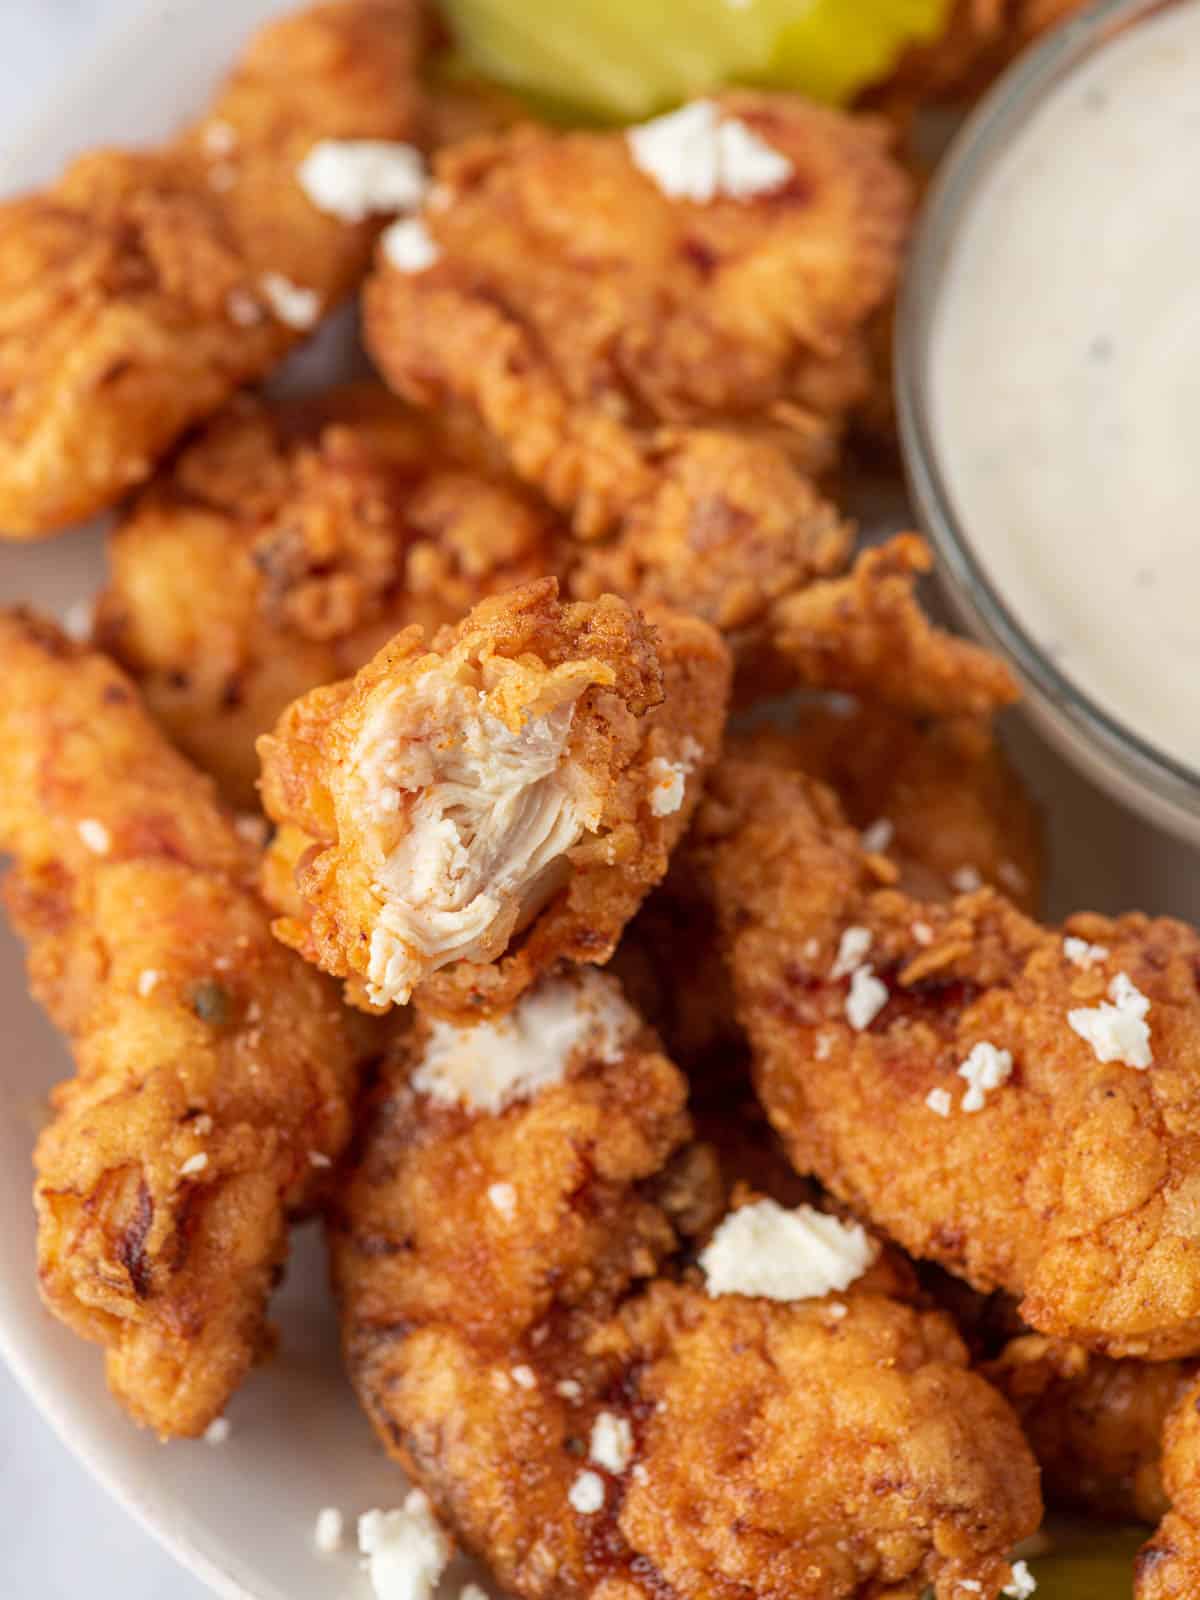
(60, 1535)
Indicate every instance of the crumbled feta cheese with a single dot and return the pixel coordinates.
(193, 1165)
(355, 178)
(586, 1494)
(764, 1250)
(695, 154)
(922, 933)
(494, 1064)
(408, 246)
(938, 1100)
(295, 306)
(503, 1198)
(202, 1125)
(985, 1068)
(1023, 1582)
(1117, 1032)
(866, 999)
(1082, 954)
(95, 835)
(670, 781)
(972, 1585)
(220, 138)
(148, 980)
(406, 1551)
(878, 836)
(329, 1530)
(217, 1431)
(472, 1591)
(524, 1377)
(839, 1310)
(852, 949)
(77, 621)
(823, 1046)
(966, 880)
(569, 1389)
(242, 309)
(612, 1443)
(319, 1160)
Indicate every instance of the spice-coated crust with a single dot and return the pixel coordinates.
(116, 282)
(1088, 1212)
(666, 684)
(776, 1448)
(231, 1049)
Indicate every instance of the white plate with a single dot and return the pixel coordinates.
(240, 1516)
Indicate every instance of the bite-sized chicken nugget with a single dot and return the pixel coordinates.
(1095, 1425)
(214, 1069)
(497, 801)
(866, 633)
(1042, 1084)
(576, 291)
(506, 1252)
(142, 289)
(285, 545)
(1168, 1568)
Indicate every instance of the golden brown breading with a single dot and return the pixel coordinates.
(866, 634)
(137, 290)
(497, 802)
(574, 307)
(285, 545)
(494, 1265)
(1071, 1185)
(214, 1070)
(1095, 1425)
(1168, 1568)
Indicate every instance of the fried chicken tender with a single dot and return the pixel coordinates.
(505, 1255)
(143, 288)
(575, 307)
(1168, 1568)
(1059, 1171)
(214, 1069)
(286, 545)
(496, 802)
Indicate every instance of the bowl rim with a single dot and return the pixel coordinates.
(983, 138)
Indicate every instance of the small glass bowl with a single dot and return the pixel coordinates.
(1109, 752)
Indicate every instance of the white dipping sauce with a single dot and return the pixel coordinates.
(1065, 379)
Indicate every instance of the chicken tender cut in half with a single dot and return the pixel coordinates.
(577, 291)
(214, 1069)
(143, 288)
(285, 545)
(497, 801)
(1043, 1084)
(593, 1418)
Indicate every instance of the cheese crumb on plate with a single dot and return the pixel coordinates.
(406, 1551)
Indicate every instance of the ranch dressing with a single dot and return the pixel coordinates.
(1065, 378)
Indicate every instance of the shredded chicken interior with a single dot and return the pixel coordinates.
(472, 801)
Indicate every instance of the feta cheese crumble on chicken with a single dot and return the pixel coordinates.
(852, 950)
(939, 1102)
(495, 1064)
(295, 306)
(408, 246)
(406, 1551)
(767, 1251)
(586, 1494)
(194, 1165)
(95, 836)
(696, 154)
(985, 1068)
(355, 178)
(1117, 1031)
(1082, 954)
(502, 1197)
(867, 998)
(612, 1443)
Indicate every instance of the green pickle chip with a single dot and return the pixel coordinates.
(620, 60)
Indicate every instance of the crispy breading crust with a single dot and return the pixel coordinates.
(1087, 1214)
(132, 289)
(574, 307)
(214, 1069)
(825, 1449)
(286, 545)
(657, 692)
(1168, 1568)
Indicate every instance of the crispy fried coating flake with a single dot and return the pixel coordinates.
(574, 307)
(142, 289)
(866, 633)
(1095, 1425)
(286, 545)
(1042, 1154)
(592, 1426)
(214, 1069)
(497, 802)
